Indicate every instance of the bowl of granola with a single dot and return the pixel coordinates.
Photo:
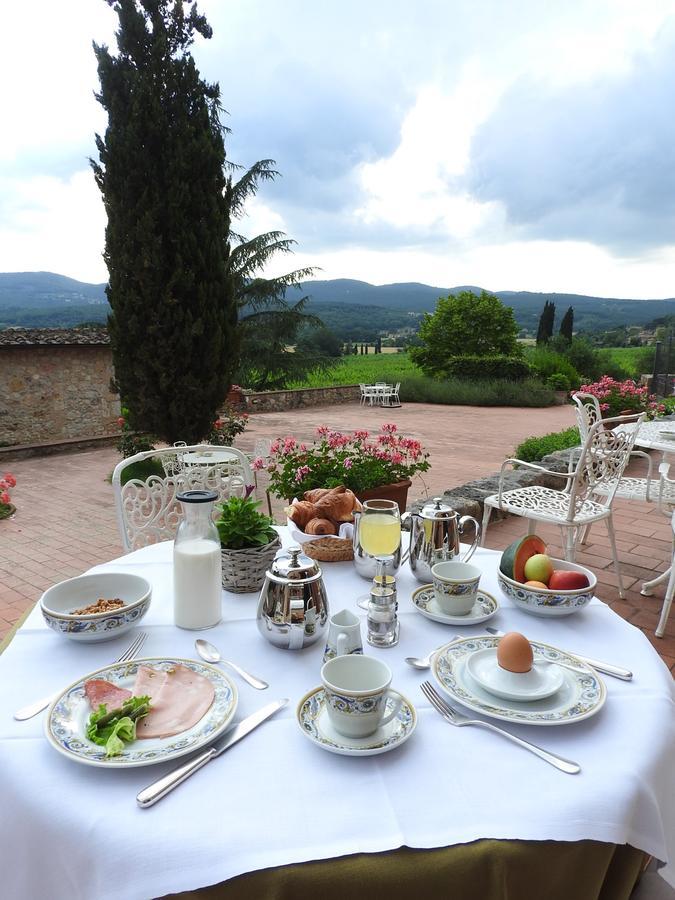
(97, 607)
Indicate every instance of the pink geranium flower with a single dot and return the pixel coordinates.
(4, 497)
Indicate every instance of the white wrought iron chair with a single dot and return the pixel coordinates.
(147, 510)
(666, 502)
(588, 412)
(391, 395)
(603, 458)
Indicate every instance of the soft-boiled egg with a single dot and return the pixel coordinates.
(514, 652)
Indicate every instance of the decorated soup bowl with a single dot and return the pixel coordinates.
(545, 602)
(63, 603)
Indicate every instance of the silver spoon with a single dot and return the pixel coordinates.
(211, 654)
(424, 662)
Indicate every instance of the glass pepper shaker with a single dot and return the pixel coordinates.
(383, 624)
(197, 563)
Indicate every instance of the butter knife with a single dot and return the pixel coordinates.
(605, 668)
(160, 788)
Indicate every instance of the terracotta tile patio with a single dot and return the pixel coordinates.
(65, 521)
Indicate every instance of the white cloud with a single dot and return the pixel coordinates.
(53, 225)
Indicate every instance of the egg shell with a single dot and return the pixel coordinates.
(514, 653)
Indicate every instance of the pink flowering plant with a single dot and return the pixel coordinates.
(227, 426)
(358, 460)
(616, 397)
(7, 482)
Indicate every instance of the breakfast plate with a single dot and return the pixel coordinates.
(543, 679)
(581, 695)
(483, 609)
(313, 721)
(66, 719)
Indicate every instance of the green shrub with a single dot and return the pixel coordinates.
(536, 448)
(496, 365)
(142, 470)
(558, 382)
(454, 391)
(546, 362)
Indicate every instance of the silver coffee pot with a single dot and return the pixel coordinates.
(293, 605)
(434, 537)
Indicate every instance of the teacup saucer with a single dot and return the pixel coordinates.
(313, 720)
(483, 609)
(543, 679)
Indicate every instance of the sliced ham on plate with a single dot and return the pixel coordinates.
(179, 698)
(100, 691)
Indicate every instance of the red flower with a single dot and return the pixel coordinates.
(4, 497)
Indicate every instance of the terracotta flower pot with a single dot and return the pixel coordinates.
(397, 492)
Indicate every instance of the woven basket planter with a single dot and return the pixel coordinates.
(244, 571)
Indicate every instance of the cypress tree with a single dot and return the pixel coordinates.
(567, 325)
(546, 321)
(161, 173)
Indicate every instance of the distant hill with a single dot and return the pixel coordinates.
(346, 305)
(590, 313)
(45, 290)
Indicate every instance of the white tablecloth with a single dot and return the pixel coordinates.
(71, 831)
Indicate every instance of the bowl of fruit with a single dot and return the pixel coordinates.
(541, 585)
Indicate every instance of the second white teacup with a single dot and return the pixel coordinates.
(455, 586)
(357, 689)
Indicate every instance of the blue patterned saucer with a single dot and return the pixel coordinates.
(313, 720)
(66, 719)
(581, 695)
(483, 609)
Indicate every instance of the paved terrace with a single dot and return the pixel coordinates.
(65, 521)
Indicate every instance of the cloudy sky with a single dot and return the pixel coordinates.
(522, 145)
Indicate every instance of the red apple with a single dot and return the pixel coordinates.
(562, 580)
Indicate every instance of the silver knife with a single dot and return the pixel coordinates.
(605, 668)
(160, 788)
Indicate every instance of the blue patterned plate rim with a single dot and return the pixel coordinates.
(394, 734)
(420, 602)
(67, 714)
(582, 695)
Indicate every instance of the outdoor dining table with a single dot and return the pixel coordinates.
(452, 812)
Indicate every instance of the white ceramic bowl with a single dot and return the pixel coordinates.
(57, 605)
(543, 602)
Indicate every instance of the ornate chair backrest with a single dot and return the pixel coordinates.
(588, 412)
(147, 510)
(604, 456)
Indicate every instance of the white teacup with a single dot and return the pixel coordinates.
(455, 586)
(344, 635)
(357, 688)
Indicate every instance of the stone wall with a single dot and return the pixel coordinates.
(279, 401)
(52, 392)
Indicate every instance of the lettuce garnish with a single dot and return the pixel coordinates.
(112, 729)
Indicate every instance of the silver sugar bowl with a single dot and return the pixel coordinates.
(293, 605)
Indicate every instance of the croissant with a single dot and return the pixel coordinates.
(301, 512)
(316, 494)
(320, 526)
(338, 506)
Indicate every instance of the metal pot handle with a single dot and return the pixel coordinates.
(462, 522)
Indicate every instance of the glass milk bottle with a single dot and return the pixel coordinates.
(196, 563)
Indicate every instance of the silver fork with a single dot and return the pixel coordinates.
(27, 712)
(454, 718)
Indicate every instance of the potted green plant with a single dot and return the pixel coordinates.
(6, 507)
(248, 544)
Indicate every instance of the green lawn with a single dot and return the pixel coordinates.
(625, 356)
(389, 367)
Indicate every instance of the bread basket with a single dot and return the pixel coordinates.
(329, 549)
